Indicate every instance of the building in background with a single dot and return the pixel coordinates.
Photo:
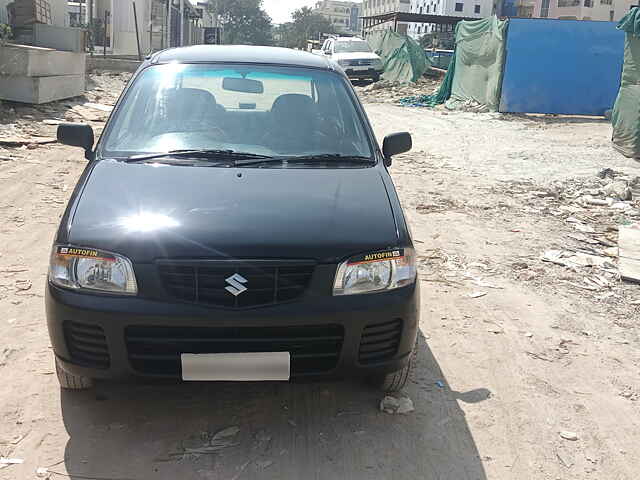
(453, 8)
(378, 7)
(344, 16)
(601, 10)
(116, 28)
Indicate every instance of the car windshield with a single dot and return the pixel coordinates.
(352, 46)
(257, 110)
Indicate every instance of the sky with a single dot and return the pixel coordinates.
(280, 10)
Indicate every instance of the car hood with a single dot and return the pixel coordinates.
(355, 56)
(148, 212)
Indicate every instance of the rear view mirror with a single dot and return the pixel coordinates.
(76, 135)
(395, 144)
(243, 85)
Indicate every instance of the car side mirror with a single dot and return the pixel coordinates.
(395, 144)
(76, 135)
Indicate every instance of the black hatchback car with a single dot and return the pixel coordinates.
(235, 222)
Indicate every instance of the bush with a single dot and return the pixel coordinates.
(5, 33)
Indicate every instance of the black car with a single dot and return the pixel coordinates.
(235, 221)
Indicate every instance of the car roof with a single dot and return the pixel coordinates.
(241, 54)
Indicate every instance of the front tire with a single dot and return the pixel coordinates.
(69, 381)
(392, 382)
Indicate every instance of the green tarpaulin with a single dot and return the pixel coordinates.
(626, 112)
(479, 62)
(404, 59)
(441, 96)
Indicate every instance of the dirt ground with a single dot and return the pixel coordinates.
(513, 351)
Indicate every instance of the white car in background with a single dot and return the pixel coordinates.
(355, 57)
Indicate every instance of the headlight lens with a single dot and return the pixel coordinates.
(375, 272)
(90, 269)
(377, 63)
(344, 63)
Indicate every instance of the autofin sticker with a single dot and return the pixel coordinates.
(84, 253)
(373, 257)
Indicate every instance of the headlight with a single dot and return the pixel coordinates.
(344, 63)
(375, 272)
(377, 63)
(90, 269)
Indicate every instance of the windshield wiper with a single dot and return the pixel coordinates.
(201, 153)
(323, 158)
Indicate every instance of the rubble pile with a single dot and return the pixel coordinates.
(391, 92)
(592, 209)
(24, 126)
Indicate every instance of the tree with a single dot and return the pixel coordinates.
(243, 22)
(306, 25)
(5, 33)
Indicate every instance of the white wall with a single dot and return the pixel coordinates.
(3, 11)
(59, 13)
(124, 29)
(448, 7)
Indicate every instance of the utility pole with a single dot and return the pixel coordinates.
(169, 23)
(181, 23)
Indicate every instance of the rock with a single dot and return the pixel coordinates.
(392, 405)
(389, 405)
(619, 190)
(477, 294)
(406, 406)
(567, 435)
(607, 173)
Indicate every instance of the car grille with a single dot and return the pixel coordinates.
(206, 283)
(156, 350)
(360, 63)
(87, 344)
(380, 341)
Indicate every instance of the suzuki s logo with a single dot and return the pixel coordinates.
(236, 286)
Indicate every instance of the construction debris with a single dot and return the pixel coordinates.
(10, 461)
(629, 251)
(391, 92)
(27, 126)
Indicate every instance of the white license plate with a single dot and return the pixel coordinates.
(236, 367)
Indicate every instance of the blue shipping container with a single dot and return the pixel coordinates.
(561, 66)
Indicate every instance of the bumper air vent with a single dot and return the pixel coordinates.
(87, 344)
(380, 341)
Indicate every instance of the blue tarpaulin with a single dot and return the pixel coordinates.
(561, 66)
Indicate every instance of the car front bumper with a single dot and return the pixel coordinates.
(106, 325)
(355, 72)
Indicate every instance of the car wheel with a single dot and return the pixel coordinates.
(392, 382)
(72, 382)
(376, 78)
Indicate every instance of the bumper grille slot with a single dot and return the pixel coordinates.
(380, 341)
(87, 344)
(156, 350)
(265, 284)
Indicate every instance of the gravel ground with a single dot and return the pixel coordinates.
(519, 375)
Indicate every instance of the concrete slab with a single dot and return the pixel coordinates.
(28, 61)
(38, 90)
(66, 39)
(97, 63)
